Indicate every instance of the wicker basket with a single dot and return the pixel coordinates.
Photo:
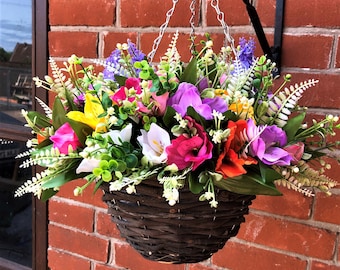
(189, 232)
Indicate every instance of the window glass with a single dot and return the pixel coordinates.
(15, 95)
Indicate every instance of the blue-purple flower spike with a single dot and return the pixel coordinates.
(246, 54)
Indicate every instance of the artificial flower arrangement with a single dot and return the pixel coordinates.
(216, 122)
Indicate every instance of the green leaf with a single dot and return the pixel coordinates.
(57, 181)
(268, 175)
(192, 113)
(82, 130)
(248, 184)
(40, 120)
(190, 72)
(194, 186)
(58, 114)
(47, 194)
(131, 161)
(106, 176)
(293, 125)
(169, 117)
(120, 79)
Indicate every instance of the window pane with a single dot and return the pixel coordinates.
(15, 94)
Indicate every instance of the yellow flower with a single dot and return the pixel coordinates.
(92, 110)
(243, 111)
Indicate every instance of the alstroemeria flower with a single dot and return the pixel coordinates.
(90, 116)
(188, 95)
(186, 151)
(65, 137)
(158, 104)
(123, 92)
(230, 163)
(123, 135)
(87, 165)
(154, 143)
(268, 144)
(296, 151)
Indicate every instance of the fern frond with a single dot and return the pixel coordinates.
(282, 103)
(302, 177)
(241, 82)
(45, 107)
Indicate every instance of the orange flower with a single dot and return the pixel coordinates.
(230, 163)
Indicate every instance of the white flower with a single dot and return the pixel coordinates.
(87, 165)
(154, 143)
(120, 135)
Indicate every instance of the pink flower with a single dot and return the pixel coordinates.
(65, 137)
(158, 102)
(186, 151)
(295, 151)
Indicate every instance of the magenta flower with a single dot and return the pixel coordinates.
(122, 93)
(268, 144)
(65, 137)
(186, 151)
(188, 95)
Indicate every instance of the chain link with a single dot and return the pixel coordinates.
(164, 26)
(192, 24)
(162, 29)
(226, 29)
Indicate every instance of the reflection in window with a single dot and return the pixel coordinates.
(15, 94)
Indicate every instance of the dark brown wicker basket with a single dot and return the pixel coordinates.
(189, 232)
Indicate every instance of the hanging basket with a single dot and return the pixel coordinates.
(188, 232)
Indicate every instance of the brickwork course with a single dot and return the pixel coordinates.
(288, 232)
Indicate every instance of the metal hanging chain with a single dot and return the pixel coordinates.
(192, 24)
(226, 29)
(162, 29)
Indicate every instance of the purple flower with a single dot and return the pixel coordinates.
(136, 55)
(246, 53)
(188, 95)
(112, 62)
(267, 145)
(113, 65)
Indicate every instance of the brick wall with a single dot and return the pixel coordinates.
(289, 232)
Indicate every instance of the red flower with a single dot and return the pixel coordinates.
(230, 163)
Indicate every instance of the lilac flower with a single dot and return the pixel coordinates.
(136, 54)
(246, 54)
(111, 63)
(267, 145)
(188, 95)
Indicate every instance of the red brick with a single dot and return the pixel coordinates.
(315, 96)
(71, 215)
(105, 226)
(60, 261)
(318, 13)
(75, 12)
(200, 267)
(87, 196)
(326, 207)
(142, 13)
(82, 44)
(323, 266)
(282, 205)
(86, 245)
(234, 14)
(307, 51)
(112, 38)
(124, 253)
(246, 257)
(337, 59)
(289, 236)
(105, 267)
